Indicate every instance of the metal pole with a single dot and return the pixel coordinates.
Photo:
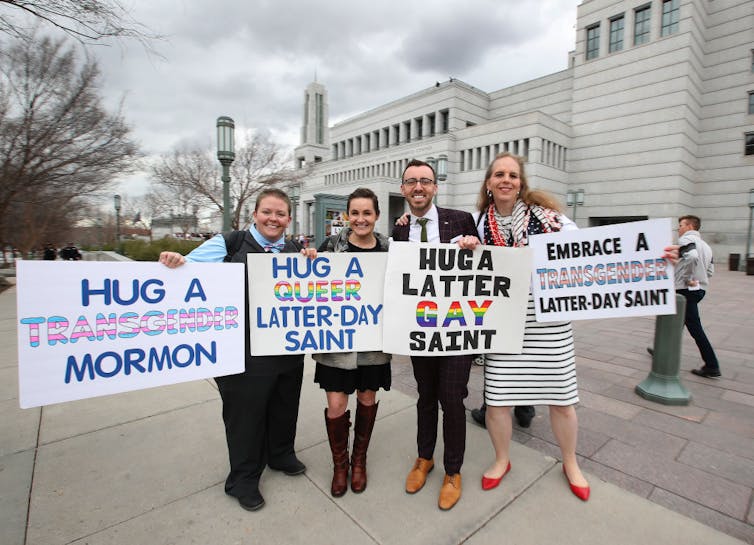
(226, 196)
(748, 235)
(117, 230)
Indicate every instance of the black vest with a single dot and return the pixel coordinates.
(263, 365)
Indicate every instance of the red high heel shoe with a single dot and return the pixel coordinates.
(489, 483)
(581, 492)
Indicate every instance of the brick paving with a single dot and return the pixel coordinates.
(697, 459)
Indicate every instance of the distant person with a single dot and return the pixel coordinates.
(49, 253)
(70, 253)
(440, 380)
(692, 274)
(343, 373)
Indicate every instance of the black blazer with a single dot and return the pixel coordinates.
(452, 224)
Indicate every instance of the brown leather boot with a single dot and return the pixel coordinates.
(362, 433)
(337, 434)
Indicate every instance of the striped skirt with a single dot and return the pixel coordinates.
(543, 374)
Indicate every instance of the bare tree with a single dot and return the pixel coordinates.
(57, 142)
(89, 21)
(193, 175)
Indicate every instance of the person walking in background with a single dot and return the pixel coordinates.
(340, 374)
(692, 274)
(70, 253)
(49, 253)
(442, 379)
(545, 371)
(260, 405)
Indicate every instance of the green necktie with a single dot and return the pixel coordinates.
(423, 223)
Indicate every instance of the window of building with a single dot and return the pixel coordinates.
(641, 24)
(670, 15)
(592, 41)
(431, 121)
(444, 121)
(616, 33)
(752, 60)
(749, 146)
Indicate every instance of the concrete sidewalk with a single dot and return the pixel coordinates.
(148, 466)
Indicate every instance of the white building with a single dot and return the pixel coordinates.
(653, 118)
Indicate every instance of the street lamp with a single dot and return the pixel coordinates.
(442, 168)
(116, 202)
(751, 214)
(574, 198)
(225, 154)
(295, 191)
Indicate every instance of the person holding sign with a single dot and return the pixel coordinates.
(340, 374)
(442, 379)
(260, 405)
(545, 372)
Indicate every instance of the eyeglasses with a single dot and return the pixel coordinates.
(425, 182)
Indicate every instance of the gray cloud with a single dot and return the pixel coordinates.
(251, 60)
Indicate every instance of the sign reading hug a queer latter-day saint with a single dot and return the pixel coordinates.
(441, 300)
(603, 272)
(329, 304)
(91, 329)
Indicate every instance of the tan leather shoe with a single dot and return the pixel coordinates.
(450, 492)
(418, 475)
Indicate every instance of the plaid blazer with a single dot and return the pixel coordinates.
(452, 224)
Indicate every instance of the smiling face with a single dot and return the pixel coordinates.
(272, 217)
(504, 183)
(362, 216)
(419, 196)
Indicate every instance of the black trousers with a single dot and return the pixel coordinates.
(694, 324)
(260, 415)
(442, 380)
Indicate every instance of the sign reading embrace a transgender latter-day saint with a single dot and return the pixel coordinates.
(603, 272)
(91, 329)
(329, 304)
(443, 301)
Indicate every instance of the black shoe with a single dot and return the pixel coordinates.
(524, 415)
(478, 416)
(252, 501)
(651, 351)
(291, 467)
(706, 372)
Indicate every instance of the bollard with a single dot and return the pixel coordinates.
(663, 385)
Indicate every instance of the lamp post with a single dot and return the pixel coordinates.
(225, 154)
(295, 192)
(442, 168)
(116, 202)
(751, 215)
(574, 198)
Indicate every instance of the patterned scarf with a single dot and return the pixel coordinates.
(526, 220)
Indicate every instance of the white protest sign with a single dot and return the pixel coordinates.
(87, 329)
(603, 272)
(330, 304)
(441, 300)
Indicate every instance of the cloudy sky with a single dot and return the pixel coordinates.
(251, 60)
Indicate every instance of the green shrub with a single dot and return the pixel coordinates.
(140, 250)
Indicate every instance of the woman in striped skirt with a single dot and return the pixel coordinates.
(545, 372)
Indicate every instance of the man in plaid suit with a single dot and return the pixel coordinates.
(440, 379)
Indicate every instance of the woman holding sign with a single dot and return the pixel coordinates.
(340, 374)
(260, 405)
(545, 372)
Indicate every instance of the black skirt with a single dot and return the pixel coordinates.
(347, 381)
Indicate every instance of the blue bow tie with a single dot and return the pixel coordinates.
(274, 248)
